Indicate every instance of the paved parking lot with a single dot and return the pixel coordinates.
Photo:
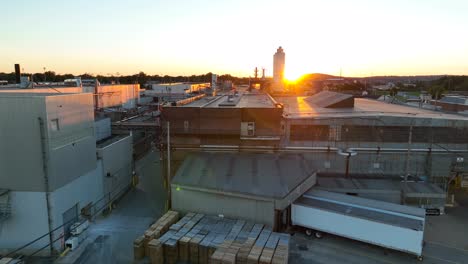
(446, 241)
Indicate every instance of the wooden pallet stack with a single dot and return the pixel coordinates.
(269, 249)
(139, 248)
(201, 239)
(281, 254)
(257, 249)
(161, 226)
(156, 253)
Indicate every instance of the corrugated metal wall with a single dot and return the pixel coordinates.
(258, 211)
(222, 121)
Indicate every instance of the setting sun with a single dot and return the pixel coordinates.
(292, 75)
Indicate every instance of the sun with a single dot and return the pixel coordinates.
(292, 75)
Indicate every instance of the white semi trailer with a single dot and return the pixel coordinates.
(380, 223)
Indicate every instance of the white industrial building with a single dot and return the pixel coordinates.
(118, 95)
(125, 96)
(175, 91)
(179, 88)
(52, 168)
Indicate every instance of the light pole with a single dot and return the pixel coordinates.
(44, 74)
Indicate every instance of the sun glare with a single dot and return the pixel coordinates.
(292, 75)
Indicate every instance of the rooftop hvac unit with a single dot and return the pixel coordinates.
(247, 129)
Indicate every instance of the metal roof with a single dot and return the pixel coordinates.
(266, 175)
(299, 107)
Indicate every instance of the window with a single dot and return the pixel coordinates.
(54, 124)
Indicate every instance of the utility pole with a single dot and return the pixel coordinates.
(168, 167)
(408, 154)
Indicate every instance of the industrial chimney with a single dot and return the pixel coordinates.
(17, 73)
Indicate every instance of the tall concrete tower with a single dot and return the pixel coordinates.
(278, 66)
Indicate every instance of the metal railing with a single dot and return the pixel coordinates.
(5, 211)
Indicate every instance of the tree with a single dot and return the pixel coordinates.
(50, 76)
(436, 91)
(393, 91)
(142, 78)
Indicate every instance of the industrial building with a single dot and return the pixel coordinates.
(57, 164)
(399, 153)
(373, 138)
(453, 103)
(168, 92)
(125, 96)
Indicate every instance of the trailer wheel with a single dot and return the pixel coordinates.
(420, 258)
(308, 232)
(318, 234)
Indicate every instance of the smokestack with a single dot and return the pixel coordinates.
(17, 73)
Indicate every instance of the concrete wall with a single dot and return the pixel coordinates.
(20, 143)
(102, 128)
(186, 200)
(82, 191)
(72, 147)
(27, 222)
(116, 158)
(19, 229)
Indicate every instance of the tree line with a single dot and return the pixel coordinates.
(140, 78)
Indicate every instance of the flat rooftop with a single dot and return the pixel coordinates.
(266, 175)
(301, 107)
(110, 140)
(245, 100)
(33, 94)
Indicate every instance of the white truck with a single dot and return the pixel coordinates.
(380, 223)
